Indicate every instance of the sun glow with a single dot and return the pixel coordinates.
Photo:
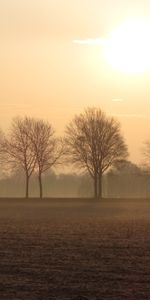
(128, 46)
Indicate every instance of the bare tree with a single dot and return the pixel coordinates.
(47, 148)
(19, 148)
(146, 156)
(145, 163)
(95, 144)
(3, 156)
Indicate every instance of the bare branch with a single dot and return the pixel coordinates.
(95, 142)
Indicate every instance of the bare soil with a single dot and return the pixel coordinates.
(74, 249)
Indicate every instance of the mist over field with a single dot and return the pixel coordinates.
(74, 150)
(123, 184)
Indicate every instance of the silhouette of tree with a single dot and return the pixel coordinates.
(19, 148)
(2, 152)
(46, 148)
(95, 144)
(146, 156)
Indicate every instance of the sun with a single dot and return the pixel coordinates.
(128, 46)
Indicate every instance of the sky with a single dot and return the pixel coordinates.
(50, 70)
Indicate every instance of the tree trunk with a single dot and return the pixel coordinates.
(27, 187)
(40, 185)
(100, 186)
(95, 187)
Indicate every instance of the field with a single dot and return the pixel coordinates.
(74, 249)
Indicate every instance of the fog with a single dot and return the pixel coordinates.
(129, 182)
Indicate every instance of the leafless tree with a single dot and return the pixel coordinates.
(47, 148)
(146, 155)
(19, 148)
(3, 156)
(145, 163)
(95, 144)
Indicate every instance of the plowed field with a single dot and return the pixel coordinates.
(74, 249)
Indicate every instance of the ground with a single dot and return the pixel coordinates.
(74, 249)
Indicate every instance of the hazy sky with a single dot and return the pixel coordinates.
(44, 74)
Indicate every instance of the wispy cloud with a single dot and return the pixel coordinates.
(138, 116)
(91, 41)
(6, 105)
(117, 100)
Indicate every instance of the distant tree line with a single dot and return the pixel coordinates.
(92, 142)
(129, 181)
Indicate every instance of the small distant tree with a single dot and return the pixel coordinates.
(95, 144)
(3, 158)
(146, 156)
(46, 148)
(19, 148)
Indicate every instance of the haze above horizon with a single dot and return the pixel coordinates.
(59, 57)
